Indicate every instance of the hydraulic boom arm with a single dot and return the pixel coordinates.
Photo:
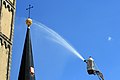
(100, 75)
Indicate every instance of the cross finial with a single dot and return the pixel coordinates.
(29, 10)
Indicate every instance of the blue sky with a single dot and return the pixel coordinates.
(85, 24)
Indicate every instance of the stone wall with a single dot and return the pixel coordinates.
(7, 13)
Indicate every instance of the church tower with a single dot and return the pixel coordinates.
(7, 13)
(27, 62)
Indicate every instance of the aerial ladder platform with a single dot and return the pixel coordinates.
(92, 68)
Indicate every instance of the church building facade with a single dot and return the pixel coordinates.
(7, 13)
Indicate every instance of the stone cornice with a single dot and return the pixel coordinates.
(5, 41)
(9, 5)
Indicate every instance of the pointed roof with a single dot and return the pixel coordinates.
(27, 66)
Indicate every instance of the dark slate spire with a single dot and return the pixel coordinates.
(27, 66)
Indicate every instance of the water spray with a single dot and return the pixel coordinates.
(58, 39)
(91, 67)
